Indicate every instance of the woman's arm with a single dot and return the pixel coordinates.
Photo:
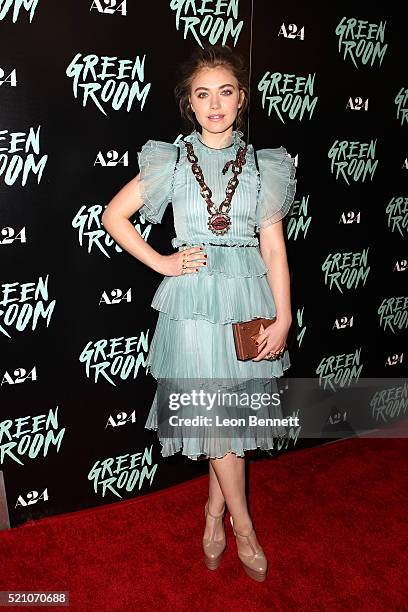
(115, 219)
(273, 251)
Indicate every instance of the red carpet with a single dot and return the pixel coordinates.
(331, 520)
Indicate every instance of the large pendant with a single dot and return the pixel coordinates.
(219, 223)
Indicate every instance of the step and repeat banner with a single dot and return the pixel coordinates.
(83, 85)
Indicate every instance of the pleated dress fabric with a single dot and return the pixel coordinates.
(193, 344)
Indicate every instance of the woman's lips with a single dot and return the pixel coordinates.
(216, 117)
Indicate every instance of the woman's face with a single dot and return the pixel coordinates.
(215, 98)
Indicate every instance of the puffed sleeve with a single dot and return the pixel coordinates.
(277, 185)
(157, 162)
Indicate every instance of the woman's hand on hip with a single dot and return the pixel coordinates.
(187, 261)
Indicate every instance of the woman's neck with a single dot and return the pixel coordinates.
(217, 141)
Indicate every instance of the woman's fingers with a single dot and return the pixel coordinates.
(265, 349)
(196, 254)
(265, 354)
(261, 339)
(193, 257)
(186, 261)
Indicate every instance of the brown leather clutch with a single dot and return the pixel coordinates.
(245, 334)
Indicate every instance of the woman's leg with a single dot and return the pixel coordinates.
(215, 495)
(215, 506)
(230, 471)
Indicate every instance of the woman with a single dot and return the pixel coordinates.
(220, 274)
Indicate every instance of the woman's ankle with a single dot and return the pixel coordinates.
(242, 524)
(216, 506)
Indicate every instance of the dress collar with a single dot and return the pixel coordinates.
(237, 141)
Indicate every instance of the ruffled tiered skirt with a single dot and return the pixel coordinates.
(193, 348)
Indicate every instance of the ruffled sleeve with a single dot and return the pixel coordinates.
(157, 162)
(277, 186)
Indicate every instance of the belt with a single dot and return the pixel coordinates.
(231, 242)
(220, 245)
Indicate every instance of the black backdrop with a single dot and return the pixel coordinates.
(68, 142)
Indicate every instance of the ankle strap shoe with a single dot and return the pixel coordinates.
(255, 565)
(213, 549)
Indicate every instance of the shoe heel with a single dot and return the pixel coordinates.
(249, 560)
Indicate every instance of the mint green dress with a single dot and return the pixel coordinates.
(193, 342)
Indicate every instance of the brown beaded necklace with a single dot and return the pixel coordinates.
(219, 221)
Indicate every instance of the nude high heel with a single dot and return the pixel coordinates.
(255, 565)
(213, 550)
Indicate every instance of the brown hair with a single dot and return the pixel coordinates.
(211, 56)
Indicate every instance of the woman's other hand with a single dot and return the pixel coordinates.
(272, 339)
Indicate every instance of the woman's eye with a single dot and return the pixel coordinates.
(203, 93)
